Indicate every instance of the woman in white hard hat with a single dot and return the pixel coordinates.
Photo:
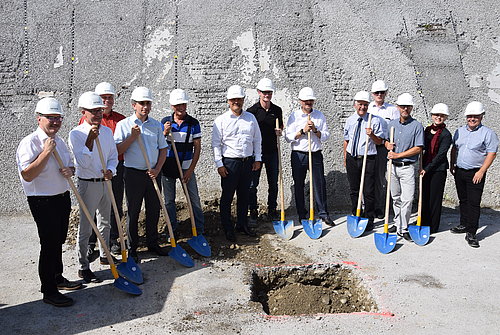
(434, 166)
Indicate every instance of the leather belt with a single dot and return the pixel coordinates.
(241, 159)
(96, 180)
(402, 163)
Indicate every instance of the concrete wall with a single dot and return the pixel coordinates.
(440, 51)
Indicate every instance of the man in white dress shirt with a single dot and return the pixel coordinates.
(236, 142)
(297, 127)
(47, 189)
(386, 112)
(91, 177)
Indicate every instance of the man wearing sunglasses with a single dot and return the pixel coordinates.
(474, 149)
(387, 112)
(91, 177)
(47, 189)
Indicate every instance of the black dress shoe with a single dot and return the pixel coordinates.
(67, 285)
(369, 225)
(459, 229)
(328, 221)
(133, 254)
(380, 214)
(472, 240)
(407, 236)
(88, 276)
(116, 249)
(393, 229)
(92, 255)
(247, 231)
(160, 251)
(104, 260)
(230, 236)
(57, 299)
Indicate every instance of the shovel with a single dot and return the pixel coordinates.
(177, 253)
(356, 225)
(197, 242)
(128, 268)
(284, 228)
(120, 283)
(386, 242)
(312, 227)
(419, 234)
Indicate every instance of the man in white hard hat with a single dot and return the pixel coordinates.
(296, 130)
(407, 146)
(47, 190)
(266, 114)
(474, 148)
(356, 131)
(236, 142)
(387, 112)
(186, 132)
(138, 179)
(91, 177)
(109, 119)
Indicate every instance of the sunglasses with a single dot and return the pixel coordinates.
(58, 118)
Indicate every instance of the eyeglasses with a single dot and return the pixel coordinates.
(379, 92)
(94, 111)
(51, 118)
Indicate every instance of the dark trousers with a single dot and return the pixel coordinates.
(300, 166)
(432, 199)
(139, 186)
(118, 190)
(51, 214)
(271, 163)
(237, 180)
(469, 196)
(354, 167)
(380, 187)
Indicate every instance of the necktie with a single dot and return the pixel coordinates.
(356, 138)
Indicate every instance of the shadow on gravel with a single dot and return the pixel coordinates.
(97, 306)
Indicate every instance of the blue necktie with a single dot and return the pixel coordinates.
(356, 138)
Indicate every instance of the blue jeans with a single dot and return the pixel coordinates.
(271, 163)
(169, 194)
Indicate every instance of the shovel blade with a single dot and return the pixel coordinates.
(181, 256)
(356, 225)
(284, 229)
(131, 271)
(200, 245)
(384, 242)
(313, 228)
(126, 286)
(419, 234)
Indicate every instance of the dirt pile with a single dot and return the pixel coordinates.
(311, 289)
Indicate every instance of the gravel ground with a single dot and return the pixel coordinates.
(444, 287)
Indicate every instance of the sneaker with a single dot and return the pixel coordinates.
(393, 229)
(57, 299)
(459, 229)
(472, 240)
(116, 249)
(68, 285)
(88, 276)
(104, 260)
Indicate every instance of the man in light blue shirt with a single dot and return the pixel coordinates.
(138, 179)
(474, 149)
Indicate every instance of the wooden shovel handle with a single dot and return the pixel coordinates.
(363, 170)
(280, 174)
(89, 217)
(184, 186)
(158, 193)
(109, 186)
(311, 187)
(388, 193)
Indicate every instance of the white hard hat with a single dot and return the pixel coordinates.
(405, 99)
(362, 96)
(235, 92)
(48, 106)
(379, 86)
(474, 108)
(265, 85)
(141, 94)
(178, 97)
(105, 88)
(90, 100)
(440, 108)
(306, 93)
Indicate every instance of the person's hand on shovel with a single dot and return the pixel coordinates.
(167, 127)
(93, 133)
(153, 173)
(187, 175)
(108, 175)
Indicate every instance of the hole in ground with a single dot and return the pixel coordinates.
(310, 289)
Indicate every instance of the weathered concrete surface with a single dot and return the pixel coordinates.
(445, 287)
(440, 51)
